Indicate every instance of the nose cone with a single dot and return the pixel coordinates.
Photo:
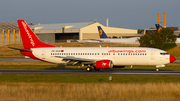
(172, 58)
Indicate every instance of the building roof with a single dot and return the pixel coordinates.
(60, 25)
(9, 26)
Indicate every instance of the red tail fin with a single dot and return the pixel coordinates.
(29, 39)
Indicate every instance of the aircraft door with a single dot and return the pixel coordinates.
(152, 55)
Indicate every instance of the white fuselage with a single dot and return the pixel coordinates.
(118, 55)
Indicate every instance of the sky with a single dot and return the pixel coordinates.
(131, 14)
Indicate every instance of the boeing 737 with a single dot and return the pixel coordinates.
(92, 57)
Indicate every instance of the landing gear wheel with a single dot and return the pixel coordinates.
(88, 69)
(157, 69)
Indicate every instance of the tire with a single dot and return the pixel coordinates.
(88, 69)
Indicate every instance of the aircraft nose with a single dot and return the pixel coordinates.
(172, 58)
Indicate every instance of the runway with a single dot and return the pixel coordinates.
(83, 72)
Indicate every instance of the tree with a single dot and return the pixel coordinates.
(167, 35)
(163, 39)
(140, 31)
(178, 36)
(151, 40)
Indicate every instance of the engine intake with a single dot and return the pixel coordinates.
(104, 64)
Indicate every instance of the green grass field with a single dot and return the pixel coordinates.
(89, 78)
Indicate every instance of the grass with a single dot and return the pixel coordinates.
(168, 46)
(88, 78)
(90, 92)
(175, 51)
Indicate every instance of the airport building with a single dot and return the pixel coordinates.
(9, 33)
(62, 32)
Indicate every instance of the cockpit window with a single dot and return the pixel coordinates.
(164, 53)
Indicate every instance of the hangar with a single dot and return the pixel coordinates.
(61, 32)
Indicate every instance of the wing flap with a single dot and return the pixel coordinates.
(75, 60)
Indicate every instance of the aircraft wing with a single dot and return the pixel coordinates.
(75, 60)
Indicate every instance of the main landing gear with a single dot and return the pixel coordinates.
(90, 68)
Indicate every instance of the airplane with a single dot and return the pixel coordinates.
(96, 58)
(104, 38)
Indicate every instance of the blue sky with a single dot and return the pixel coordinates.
(133, 14)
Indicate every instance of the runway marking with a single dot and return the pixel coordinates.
(147, 73)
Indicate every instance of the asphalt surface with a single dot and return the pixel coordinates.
(83, 72)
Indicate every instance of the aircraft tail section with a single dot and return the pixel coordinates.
(29, 39)
(158, 27)
(101, 32)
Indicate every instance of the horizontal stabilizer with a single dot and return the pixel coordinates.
(20, 49)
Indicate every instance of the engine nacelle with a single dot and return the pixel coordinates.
(104, 64)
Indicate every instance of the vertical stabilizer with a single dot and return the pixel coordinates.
(29, 39)
(158, 27)
(101, 32)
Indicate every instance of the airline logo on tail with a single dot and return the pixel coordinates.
(29, 35)
(158, 27)
(101, 33)
(29, 39)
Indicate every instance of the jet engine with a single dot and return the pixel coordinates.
(104, 64)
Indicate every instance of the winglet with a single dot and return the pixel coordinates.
(101, 32)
